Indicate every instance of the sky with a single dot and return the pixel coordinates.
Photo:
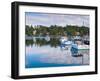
(47, 19)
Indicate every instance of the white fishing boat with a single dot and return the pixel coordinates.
(65, 41)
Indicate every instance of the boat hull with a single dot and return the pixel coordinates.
(80, 47)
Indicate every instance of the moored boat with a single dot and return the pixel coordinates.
(80, 47)
(65, 41)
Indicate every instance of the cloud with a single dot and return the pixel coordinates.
(56, 19)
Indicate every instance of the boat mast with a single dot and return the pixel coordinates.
(83, 23)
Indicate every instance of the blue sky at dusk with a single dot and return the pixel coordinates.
(47, 19)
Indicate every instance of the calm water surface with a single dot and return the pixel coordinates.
(47, 52)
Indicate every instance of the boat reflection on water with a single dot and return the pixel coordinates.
(53, 52)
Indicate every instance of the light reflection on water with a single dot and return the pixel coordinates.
(41, 52)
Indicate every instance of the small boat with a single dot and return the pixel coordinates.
(77, 38)
(77, 50)
(62, 39)
(86, 42)
(65, 41)
(80, 47)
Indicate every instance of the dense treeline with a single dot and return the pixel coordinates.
(56, 30)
